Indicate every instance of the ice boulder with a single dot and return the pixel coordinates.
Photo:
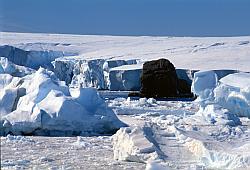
(210, 94)
(37, 86)
(203, 84)
(216, 114)
(233, 93)
(60, 115)
(10, 92)
(132, 144)
(70, 115)
(92, 102)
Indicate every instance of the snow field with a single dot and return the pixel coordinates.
(211, 132)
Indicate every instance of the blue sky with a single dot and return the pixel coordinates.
(128, 17)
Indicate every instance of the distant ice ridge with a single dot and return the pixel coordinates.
(115, 75)
(91, 73)
(39, 104)
(32, 59)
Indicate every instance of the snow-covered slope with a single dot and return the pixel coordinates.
(194, 53)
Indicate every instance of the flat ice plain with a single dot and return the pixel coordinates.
(212, 132)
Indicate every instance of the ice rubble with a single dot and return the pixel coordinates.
(7, 67)
(39, 104)
(222, 101)
(233, 93)
(133, 144)
(215, 155)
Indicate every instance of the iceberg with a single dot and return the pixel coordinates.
(39, 104)
(233, 93)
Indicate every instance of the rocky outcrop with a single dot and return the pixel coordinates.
(159, 79)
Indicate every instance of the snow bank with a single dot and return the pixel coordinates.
(39, 104)
(132, 144)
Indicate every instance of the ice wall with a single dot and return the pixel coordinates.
(87, 73)
(125, 78)
(31, 59)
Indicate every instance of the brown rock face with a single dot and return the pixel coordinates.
(159, 79)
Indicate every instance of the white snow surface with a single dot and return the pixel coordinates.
(210, 133)
(185, 52)
(238, 80)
